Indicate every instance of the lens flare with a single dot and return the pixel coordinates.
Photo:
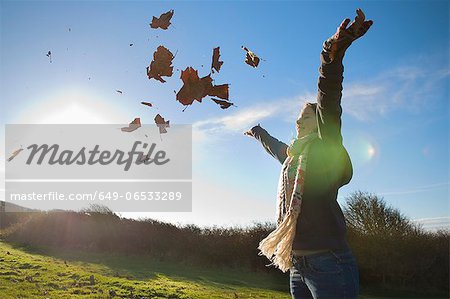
(362, 149)
(371, 151)
(71, 107)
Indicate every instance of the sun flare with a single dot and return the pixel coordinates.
(371, 151)
(72, 108)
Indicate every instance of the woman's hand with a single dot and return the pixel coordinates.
(343, 38)
(249, 133)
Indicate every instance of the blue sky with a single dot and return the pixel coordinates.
(395, 103)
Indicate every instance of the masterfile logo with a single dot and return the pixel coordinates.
(98, 152)
(72, 166)
(54, 155)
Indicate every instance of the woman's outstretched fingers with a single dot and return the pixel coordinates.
(249, 133)
(360, 15)
(344, 24)
(364, 28)
(357, 23)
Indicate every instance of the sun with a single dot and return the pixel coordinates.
(371, 151)
(72, 108)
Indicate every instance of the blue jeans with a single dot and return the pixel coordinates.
(332, 274)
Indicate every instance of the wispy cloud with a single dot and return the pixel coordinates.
(238, 122)
(434, 224)
(419, 189)
(408, 88)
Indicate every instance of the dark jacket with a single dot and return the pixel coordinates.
(321, 223)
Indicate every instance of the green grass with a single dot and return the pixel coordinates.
(27, 273)
(30, 274)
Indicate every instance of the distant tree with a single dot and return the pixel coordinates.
(384, 240)
(368, 214)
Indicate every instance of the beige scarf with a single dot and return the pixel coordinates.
(277, 246)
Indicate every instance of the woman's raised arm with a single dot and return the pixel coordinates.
(331, 71)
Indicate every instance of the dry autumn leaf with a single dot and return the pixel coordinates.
(134, 125)
(14, 154)
(195, 88)
(163, 21)
(147, 104)
(161, 123)
(223, 104)
(251, 58)
(161, 64)
(220, 91)
(145, 158)
(216, 63)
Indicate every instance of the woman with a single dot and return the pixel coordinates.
(310, 236)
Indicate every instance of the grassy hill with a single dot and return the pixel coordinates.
(25, 273)
(97, 254)
(28, 274)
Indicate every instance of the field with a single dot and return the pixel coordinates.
(28, 274)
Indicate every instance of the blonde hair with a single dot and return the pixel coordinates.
(312, 106)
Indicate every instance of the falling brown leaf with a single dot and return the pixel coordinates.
(195, 88)
(216, 63)
(223, 104)
(14, 154)
(163, 21)
(161, 64)
(145, 158)
(147, 104)
(220, 91)
(134, 125)
(251, 58)
(161, 123)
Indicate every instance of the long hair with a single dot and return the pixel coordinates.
(313, 106)
(309, 104)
